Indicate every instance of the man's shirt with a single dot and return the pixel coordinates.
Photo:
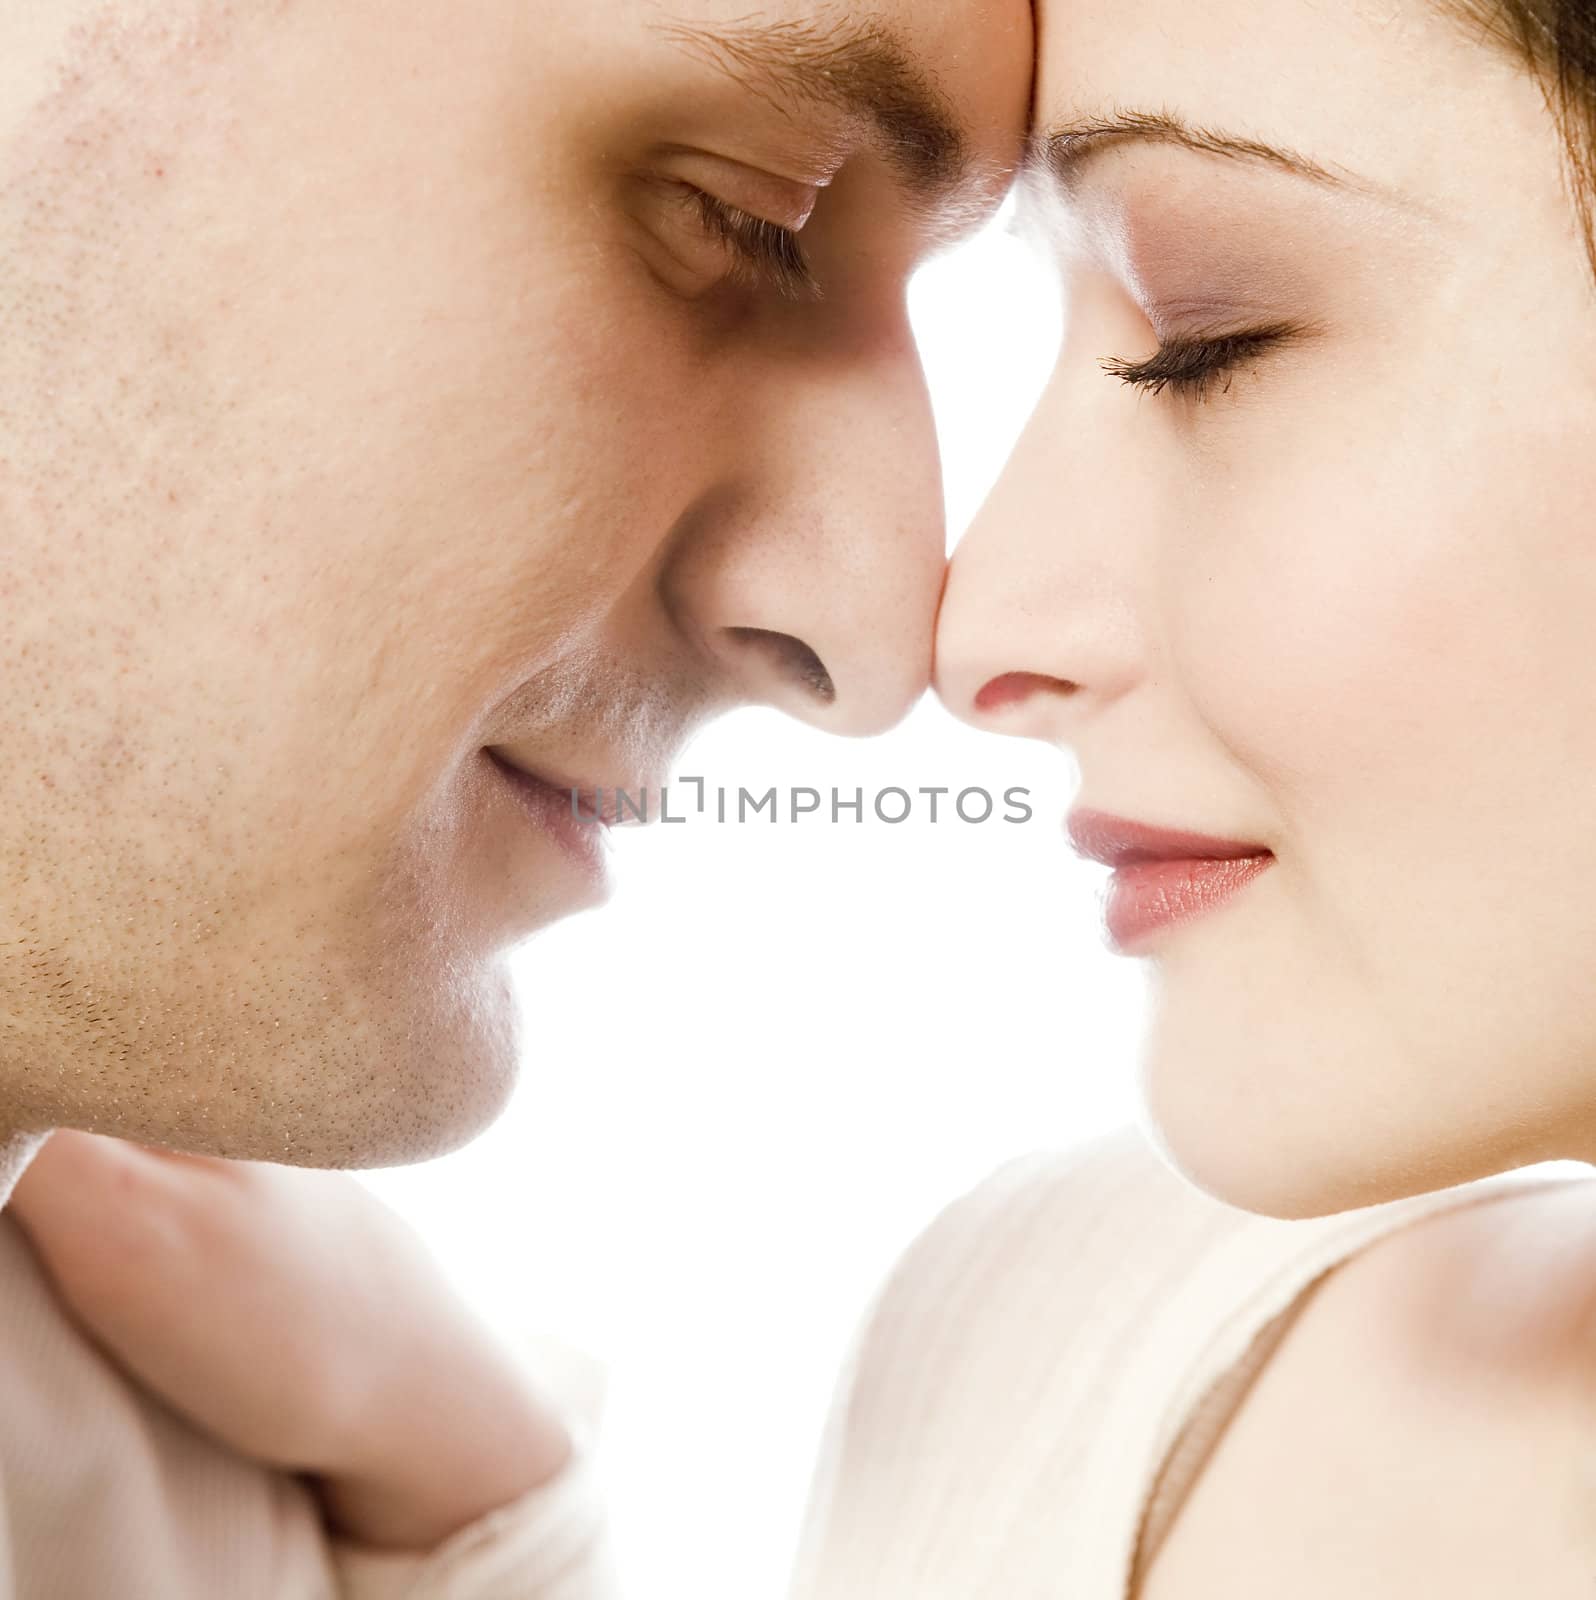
(105, 1491)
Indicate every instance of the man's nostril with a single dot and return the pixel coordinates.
(792, 658)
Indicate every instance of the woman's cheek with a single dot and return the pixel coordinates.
(1316, 620)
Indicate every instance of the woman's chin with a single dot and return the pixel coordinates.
(1239, 1168)
(1308, 1131)
(1291, 1119)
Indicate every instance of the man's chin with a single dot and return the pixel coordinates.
(375, 1079)
(417, 1082)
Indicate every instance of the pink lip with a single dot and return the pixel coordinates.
(569, 815)
(1161, 875)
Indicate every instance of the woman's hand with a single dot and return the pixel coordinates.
(291, 1315)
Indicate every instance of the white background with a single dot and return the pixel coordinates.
(780, 1049)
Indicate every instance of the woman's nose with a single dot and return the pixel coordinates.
(1038, 626)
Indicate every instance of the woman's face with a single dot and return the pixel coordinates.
(1338, 600)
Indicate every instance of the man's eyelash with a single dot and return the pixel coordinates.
(1190, 366)
(764, 250)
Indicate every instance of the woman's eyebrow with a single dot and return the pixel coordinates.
(1064, 150)
(862, 70)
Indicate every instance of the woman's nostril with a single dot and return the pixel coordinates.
(1012, 687)
(792, 658)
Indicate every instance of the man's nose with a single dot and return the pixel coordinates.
(813, 577)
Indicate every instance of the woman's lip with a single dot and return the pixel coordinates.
(1146, 896)
(551, 809)
(1121, 842)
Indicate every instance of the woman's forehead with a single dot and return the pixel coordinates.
(1370, 87)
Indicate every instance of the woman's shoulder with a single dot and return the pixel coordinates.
(1044, 1342)
(1002, 1311)
(1095, 1203)
(977, 1385)
(1068, 1310)
(1426, 1425)
(1042, 1244)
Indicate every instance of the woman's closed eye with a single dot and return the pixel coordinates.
(1189, 365)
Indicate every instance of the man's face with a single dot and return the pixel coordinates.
(394, 393)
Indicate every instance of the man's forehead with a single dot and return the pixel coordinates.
(875, 70)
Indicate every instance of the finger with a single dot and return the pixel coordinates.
(69, 1171)
(87, 1194)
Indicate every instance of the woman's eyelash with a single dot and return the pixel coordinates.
(1189, 366)
(764, 249)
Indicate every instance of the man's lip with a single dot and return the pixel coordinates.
(590, 802)
(1123, 842)
(582, 838)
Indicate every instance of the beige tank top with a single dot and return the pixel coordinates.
(1048, 1367)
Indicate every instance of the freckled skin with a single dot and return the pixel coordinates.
(343, 434)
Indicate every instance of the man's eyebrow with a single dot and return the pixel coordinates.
(1064, 150)
(861, 69)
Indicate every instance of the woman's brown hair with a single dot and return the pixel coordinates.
(1558, 40)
